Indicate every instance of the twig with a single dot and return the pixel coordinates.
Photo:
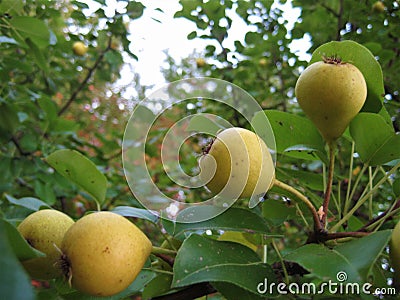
(168, 259)
(365, 197)
(328, 191)
(339, 235)
(285, 273)
(381, 216)
(86, 79)
(18, 146)
(350, 178)
(159, 250)
(300, 196)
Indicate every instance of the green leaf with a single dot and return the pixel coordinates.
(206, 124)
(37, 54)
(371, 245)
(135, 287)
(8, 121)
(159, 285)
(278, 212)
(364, 60)
(375, 140)
(233, 219)
(14, 282)
(81, 171)
(45, 191)
(12, 7)
(232, 292)
(246, 239)
(295, 136)
(308, 179)
(192, 35)
(204, 260)
(27, 202)
(396, 187)
(323, 262)
(128, 211)
(63, 125)
(34, 29)
(135, 9)
(20, 246)
(49, 107)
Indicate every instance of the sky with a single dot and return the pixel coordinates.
(150, 38)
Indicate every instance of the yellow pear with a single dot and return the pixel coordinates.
(238, 164)
(263, 62)
(44, 231)
(103, 253)
(378, 7)
(79, 48)
(200, 62)
(331, 93)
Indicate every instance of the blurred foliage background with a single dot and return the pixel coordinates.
(51, 98)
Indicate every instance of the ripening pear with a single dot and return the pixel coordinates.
(200, 62)
(44, 231)
(103, 252)
(395, 252)
(238, 164)
(331, 93)
(378, 7)
(79, 48)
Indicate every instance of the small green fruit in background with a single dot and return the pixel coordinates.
(103, 253)
(44, 231)
(238, 164)
(378, 7)
(79, 48)
(395, 253)
(331, 93)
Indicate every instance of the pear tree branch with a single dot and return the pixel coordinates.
(300, 196)
(89, 74)
(328, 190)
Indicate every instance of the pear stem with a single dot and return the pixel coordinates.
(159, 250)
(328, 189)
(300, 196)
(365, 197)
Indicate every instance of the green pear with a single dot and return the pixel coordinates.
(331, 93)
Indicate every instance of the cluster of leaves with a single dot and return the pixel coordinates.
(52, 101)
(52, 98)
(366, 180)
